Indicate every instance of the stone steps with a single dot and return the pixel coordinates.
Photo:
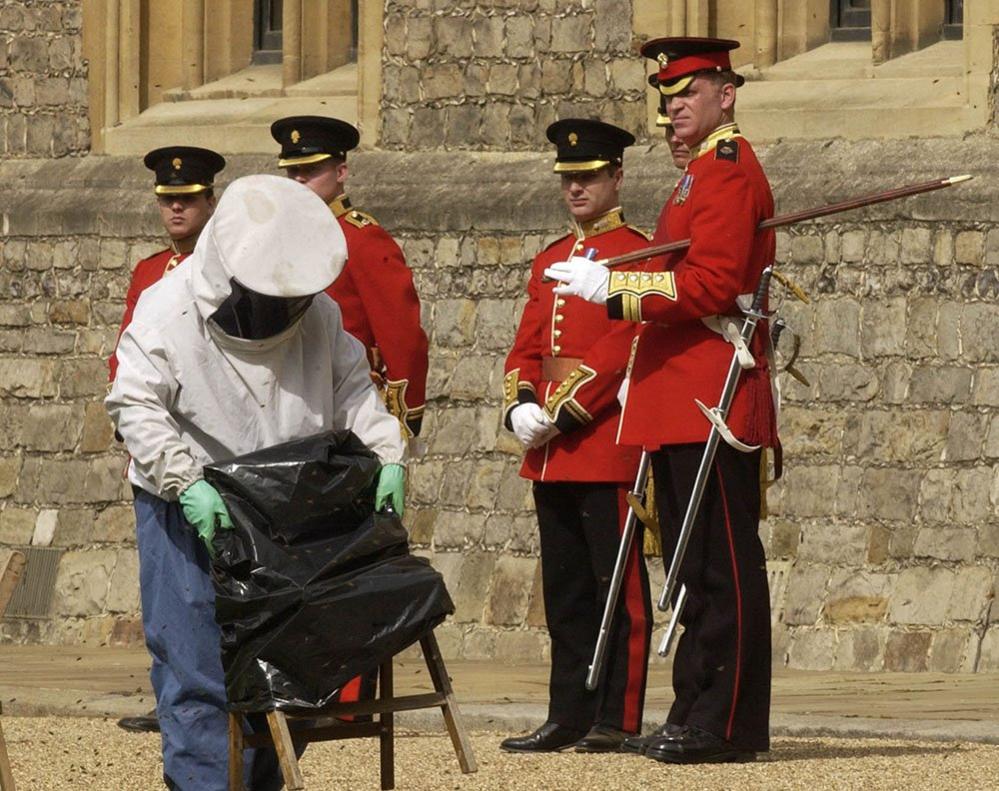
(836, 91)
(234, 114)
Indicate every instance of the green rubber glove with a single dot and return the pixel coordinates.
(204, 509)
(391, 488)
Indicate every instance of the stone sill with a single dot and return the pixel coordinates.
(42, 197)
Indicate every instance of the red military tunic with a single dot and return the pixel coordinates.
(147, 272)
(718, 204)
(381, 309)
(581, 398)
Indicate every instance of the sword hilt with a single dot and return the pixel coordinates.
(759, 297)
(776, 331)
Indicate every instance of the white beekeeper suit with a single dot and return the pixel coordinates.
(187, 393)
(236, 351)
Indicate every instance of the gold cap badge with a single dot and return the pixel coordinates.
(295, 136)
(177, 162)
(573, 138)
(663, 59)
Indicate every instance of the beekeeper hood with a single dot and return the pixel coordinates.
(269, 248)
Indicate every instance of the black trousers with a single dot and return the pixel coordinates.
(581, 524)
(721, 669)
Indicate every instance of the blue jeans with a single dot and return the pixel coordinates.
(178, 618)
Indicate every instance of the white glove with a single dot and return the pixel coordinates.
(580, 277)
(531, 426)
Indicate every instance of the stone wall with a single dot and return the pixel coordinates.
(883, 539)
(43, 80)
(492, 75)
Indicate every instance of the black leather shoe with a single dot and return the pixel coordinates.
(147, 724)
(601, 739)
(549, 738)
(638, 744)
(696, 746)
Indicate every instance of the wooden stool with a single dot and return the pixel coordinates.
(284, 738)
(10, 573)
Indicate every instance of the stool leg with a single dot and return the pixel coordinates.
(452, 716)
(6, 775)
(285, 748)
(386, 735)
(236, 752)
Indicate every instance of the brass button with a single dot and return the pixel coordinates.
(559, 317)
(556, 349)
(579, 246)
(560, 303)
(557, 333)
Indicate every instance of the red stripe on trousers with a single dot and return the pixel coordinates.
(637, 659)
(738, 604)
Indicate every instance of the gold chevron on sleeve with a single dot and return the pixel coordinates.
(632, 287)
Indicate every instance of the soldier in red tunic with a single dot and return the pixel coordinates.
(560, 399)
(721, 671)
(678, 150)
(186, 199)
(375, 292)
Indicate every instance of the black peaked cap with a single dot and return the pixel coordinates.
(306, 139)
(183, 170)
(587, 144)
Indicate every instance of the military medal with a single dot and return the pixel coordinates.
(684, 188)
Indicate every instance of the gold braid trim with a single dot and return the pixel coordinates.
(395, 403)
(564, 396)
(632, 287)
(513, 386)
(510, 390)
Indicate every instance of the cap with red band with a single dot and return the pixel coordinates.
(680, 59)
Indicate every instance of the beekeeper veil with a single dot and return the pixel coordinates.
(269, 248)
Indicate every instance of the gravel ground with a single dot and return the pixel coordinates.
(56, 753)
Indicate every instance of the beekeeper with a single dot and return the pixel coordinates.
(236, 351)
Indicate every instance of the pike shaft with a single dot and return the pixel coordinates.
(801, 216)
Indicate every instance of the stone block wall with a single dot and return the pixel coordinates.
(883, 533)
(492, 75)
(883, 538)
(43, 80)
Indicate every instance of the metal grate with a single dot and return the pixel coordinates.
(33, 595)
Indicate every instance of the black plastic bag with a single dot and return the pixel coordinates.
(312, 586)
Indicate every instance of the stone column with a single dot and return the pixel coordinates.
(803, 24)
(765, 53)
(193, 42)
(698, 17)
(112, 23)
(677, 17)
(880, 31)
(370, 36)
(291, 36)
(128, 50)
